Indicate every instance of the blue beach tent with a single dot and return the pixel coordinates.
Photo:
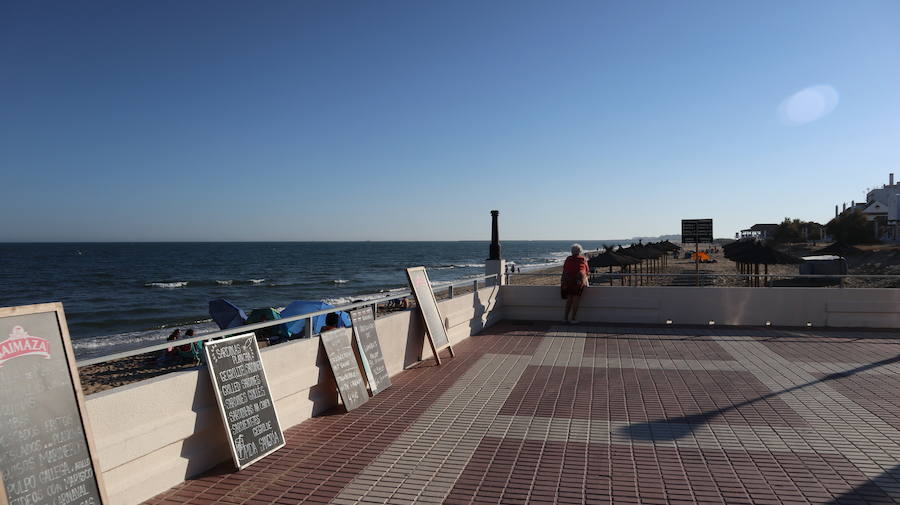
(226, 314)
(272, 334)
(298, 307)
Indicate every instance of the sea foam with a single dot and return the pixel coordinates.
(167, 285)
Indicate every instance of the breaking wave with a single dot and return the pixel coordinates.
(167, 285)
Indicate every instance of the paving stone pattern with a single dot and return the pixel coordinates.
(539, 413)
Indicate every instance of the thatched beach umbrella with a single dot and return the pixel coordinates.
(667, 247)
(610, 259)
(734, 250)
(660, 255)
(757, 254)
(840, 249)
(641, 253)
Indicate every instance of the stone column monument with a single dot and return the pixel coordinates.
(495, 264)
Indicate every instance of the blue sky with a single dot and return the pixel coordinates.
(173, 120)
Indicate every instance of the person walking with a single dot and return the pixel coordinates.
(573, 281)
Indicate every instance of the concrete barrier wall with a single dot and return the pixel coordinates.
(154, 434)
(862, 308)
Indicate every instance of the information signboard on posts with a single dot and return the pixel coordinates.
(46, 447)
(244, 398)
(434, 323)
(370, 349)
(346, 371)
(696, 231)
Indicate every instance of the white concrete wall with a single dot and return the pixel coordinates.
(152, 435)
(864, 308)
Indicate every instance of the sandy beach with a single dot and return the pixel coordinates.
(875, 260)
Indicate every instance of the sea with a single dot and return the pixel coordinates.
(119, 296)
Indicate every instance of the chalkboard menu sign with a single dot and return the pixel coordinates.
(434, 323)
(346, 372)
(370, 349)
(242, 391)
(45, 438)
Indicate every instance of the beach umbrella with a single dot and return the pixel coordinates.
(757, 254)
(226, 314)
(659, 255)
(839, 249)
(272, 333)
(734, 248)
(296, 328)
(610, 259)
(641, 253)
(666, 246)
(733, 251)
(760, 254)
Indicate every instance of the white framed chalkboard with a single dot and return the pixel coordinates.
(245, 401)
(369, 347)
(342, 359)
(434, 323)
(46, 445)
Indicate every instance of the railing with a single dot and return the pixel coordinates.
(768, 280)
(474, 281)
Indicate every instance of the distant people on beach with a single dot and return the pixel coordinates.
(573, 281)
(169, 354)
(186, 347)
(190, 353)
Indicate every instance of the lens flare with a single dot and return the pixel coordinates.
(808, 105)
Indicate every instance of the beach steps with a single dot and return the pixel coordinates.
(689, 278)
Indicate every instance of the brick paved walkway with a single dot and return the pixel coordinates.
(533, 413)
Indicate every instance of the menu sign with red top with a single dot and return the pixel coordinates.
(46, 448)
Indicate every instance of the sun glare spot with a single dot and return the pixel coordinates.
(808, 105)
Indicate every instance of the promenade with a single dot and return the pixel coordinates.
(546, 413)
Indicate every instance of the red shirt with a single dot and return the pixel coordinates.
(575, 266)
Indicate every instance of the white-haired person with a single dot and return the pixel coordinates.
(573, 281)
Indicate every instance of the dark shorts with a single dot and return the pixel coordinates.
(571, 290)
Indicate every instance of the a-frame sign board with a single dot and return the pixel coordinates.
(366, 338)
(45, 435)
(434, 323)
(244, 397)
(350, 384)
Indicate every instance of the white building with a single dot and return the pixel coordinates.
(882, 206)
(893, 216)
(884, 193)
